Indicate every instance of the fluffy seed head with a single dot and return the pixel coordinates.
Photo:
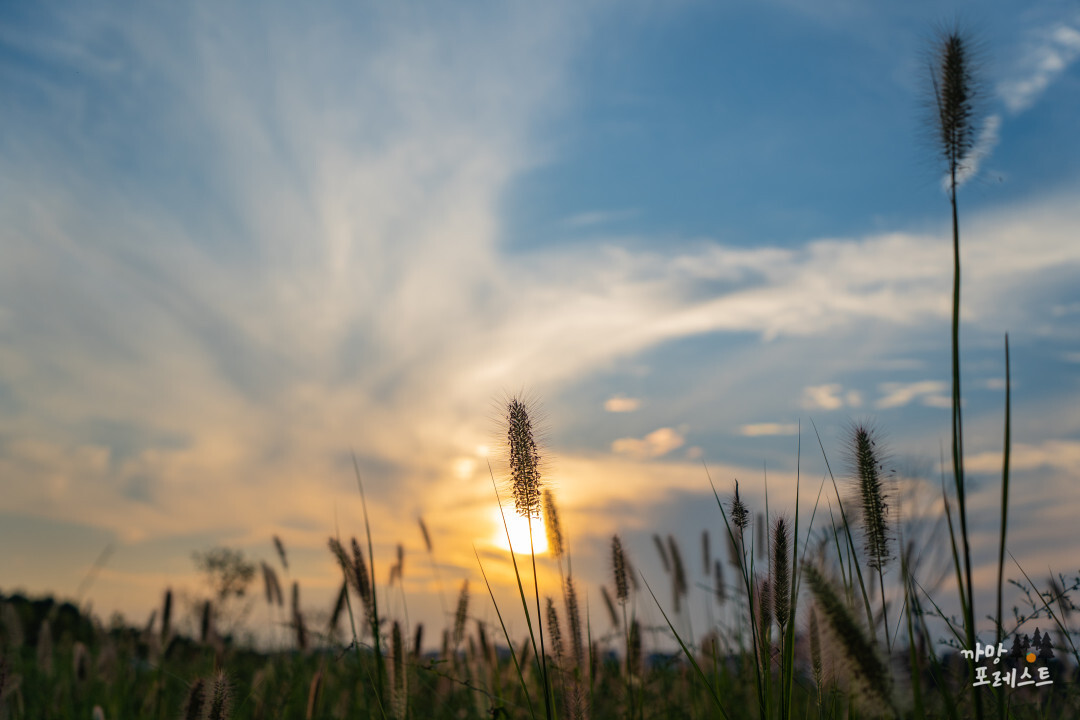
(618, 561)
(461, 614)
(706, 552)
(280, 547)
(865, 458)
(271, 586)
(658, 541)
(399, 670)
(765, 608)
(554, 632)
(609, 605)
(573, 618)
(955, 91)
(424, 532)
(780, 570)
(679, 587)
(867, 669)
(220, 698)
(740, 514)
(196, 696)
(815, 651)
(524, 459)
(718, 582)
(552, 526)
(360, 579)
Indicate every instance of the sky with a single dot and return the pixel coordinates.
(243, 244)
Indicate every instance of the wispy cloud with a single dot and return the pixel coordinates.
(929, 392)
(298, 253)
(1050, 50)
(656, 444)
(764, 429)
(621, 404)
(984, 146)
(1060, 454)
(830, 396)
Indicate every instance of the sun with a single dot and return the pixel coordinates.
(519, 532)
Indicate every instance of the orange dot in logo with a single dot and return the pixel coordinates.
(1031, 657)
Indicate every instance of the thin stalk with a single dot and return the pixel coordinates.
(1004, 501)
(506, 634)
(549, 698)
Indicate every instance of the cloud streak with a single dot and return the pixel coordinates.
(1050, 51)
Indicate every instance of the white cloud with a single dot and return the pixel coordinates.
(823, 397)
(930, 392)
(984, 145)
(760, 429)
(1050, 51)
(1059, 454)
(621, 404)
(655, 444)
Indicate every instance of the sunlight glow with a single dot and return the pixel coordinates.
(519, 532)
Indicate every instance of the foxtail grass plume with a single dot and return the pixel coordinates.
(206, 623)
(740, 518)
(399, 682)
(298, 618)
(765, 612)
(418, 640)
(618, 562)
(486, 649)
(867, 467)
(280, 547)
(220, 701)
(361, 578)
(780, 570)
(271, 586)
(679, 587)
(554, 632)
(663, 552)
(193, 704)
(762, 544)
(955, 91)
(718, 582)
(552, 526)
(462, 614)
(425, 533)
(609, 605)
(339, 608)
(868, 671)
(706, 553)
(573, 620)
(524, 459)
(816, 664)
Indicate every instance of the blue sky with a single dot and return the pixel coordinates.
(240, 243)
